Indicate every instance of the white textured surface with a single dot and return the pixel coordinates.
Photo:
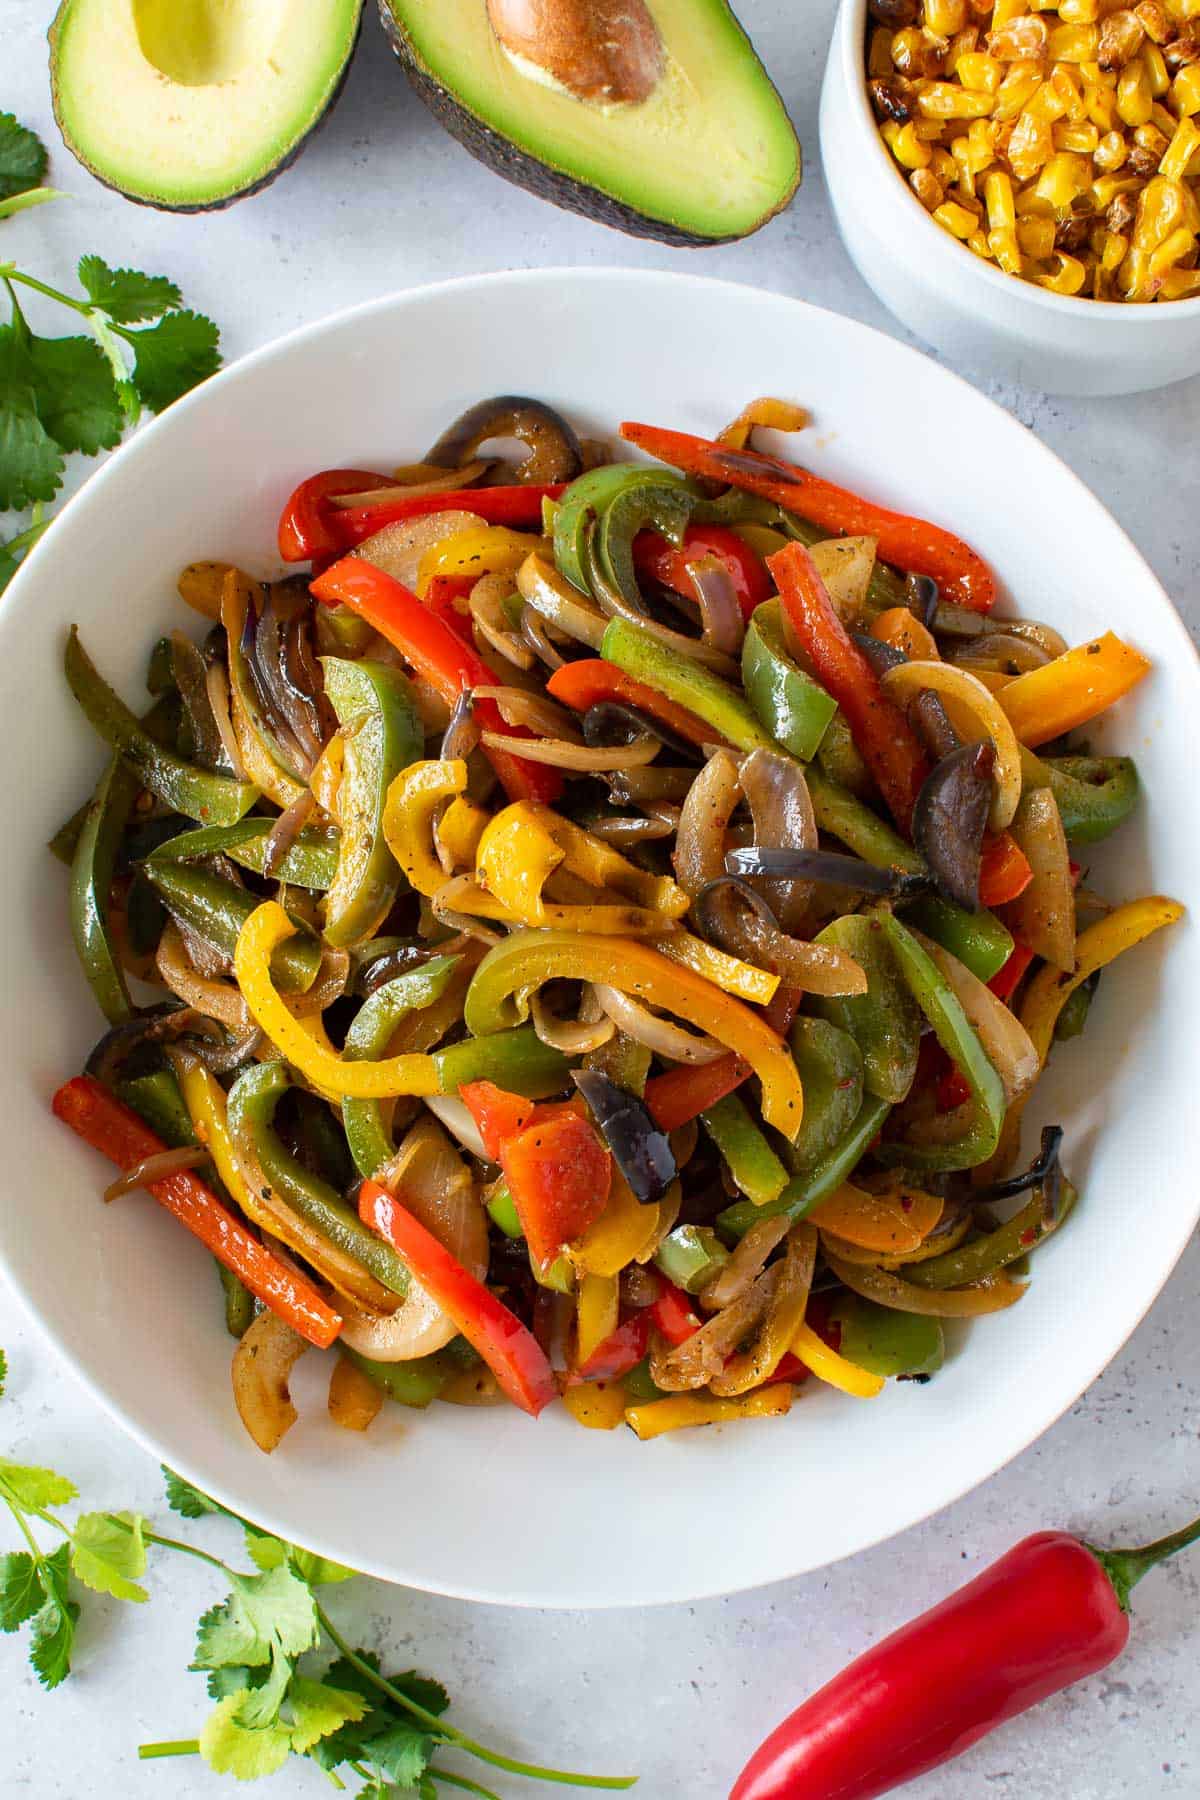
(381, 200)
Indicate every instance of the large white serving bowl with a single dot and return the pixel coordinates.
(487, 1504)
(983, 320)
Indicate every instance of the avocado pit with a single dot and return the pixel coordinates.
(605, 51)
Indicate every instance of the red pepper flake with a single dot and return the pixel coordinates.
(1029, 1237)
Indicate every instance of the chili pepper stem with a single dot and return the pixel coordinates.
(1125, 1568)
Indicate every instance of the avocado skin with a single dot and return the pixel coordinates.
(504, 158)
(197, 206)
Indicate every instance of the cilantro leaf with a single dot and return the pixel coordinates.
(126, 295)
(272, 1552)
(74, 393)
(319, 1710)
(188, 1501)
(265, 1552)
(261, 1706)
(262, 1611)
(31, 463)
(228, 1679)
(3, 1358)
(53, 1630)
(32, 1488)
(401, 1753)
(173, 356)
(23, 158)
(106, 1557)
(20, 1589)
(231, 1748)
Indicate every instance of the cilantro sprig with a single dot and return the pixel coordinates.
(264, 1649)
(23, 164)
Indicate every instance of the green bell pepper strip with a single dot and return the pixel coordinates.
(368, 1038)
(979, 939)
(92, 868)
(842, 760)
(502, 1212)
(803, 1192)
(414, 1383)
(253, 1099)
(623, 1060)
(943, 1009)
(1094, 794)
(198, 793)
(589, 497)
(216, 910)
(1074, 1015)
(885, 1342)
(884, 1022)
(160, 724)
(375, 708)
(983, 1256)
(160, 670)
(311, 861)
(691, 1256)
(656, 503)
(752, 1163)
(831, 1071)
(688, 683)
(795, 709)
(515, 1060)
(640, 1385)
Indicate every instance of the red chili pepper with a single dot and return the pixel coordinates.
(559, 1175)
(689, 1089)
(655, 557)
(115, 1130)
(516, 506)
(440, 656)
(508, 1348)
(1004, 870)
(878, 726)
(1005, 981)
(590, 680)
(908, 542)
(621, 1351)
(307, 523)
(1049, 1613)
(497, 1113)
(672, 1314)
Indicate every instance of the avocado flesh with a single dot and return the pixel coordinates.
(190, 104)
(711, 154)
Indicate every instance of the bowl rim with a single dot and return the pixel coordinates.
(957, 260)
(1036, 1420)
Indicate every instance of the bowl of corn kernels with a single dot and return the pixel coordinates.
(1019, 181)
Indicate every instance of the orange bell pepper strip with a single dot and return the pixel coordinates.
(689, 1089)
(439, 656)
(590, 680)
(879, 728)
(1072, 689)
(497, 1113)
(910, 543)
(306, 532)
(115, 1130)
(559, 1175)
(1004, 870)
(509, 1348)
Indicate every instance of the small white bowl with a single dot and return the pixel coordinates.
(979, 318)
(487, 1504)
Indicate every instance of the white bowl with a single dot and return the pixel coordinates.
(487, 1504)
(981, 319)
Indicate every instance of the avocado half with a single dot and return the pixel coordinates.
(189, 105)
(709, 155)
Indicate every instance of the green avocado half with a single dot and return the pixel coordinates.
(192, 104)
(708, 155)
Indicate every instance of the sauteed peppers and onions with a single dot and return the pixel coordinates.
(590, 931)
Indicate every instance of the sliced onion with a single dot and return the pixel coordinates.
(332, 977)
(693, 1363)
(950, 818)
(1002, 651)
(439, 482)
(845, 565)
(711, 802)
(455, 1116)
(615, 722)
(574, 1037)
(462, 733)
(746, 1263)
(155, 1168)
(827, 866)
(659, 1035)
(776, 415)
(782, 810)
(444, 906)
(486, 607)
(397, 549)
(354, 1399)
(635, 786)
(580, 757)
(644, 830)
(217, 683)
(967, 694)
(1043, 916)
(220, 1000)
(751, 932)
(538, 639)
(720, 613)
(614, 603)
(285, 831)
(518, 706)
(204, 957)
(262, 1363)
(553, 598)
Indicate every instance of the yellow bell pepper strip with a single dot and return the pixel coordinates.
(682, 1410)
(1072, 689)
(597, 1405)
(597, 1313)
(267, 927)
(525, 843)
(483, 550)
(622, 1233)
(498, 997)
(827, 1365)
(729, 973)
(890, 1223)
(459, 830)
(409, 814)
(381, 735)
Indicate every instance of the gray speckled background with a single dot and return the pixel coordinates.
(383, 200)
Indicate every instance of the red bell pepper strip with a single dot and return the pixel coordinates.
(520, 507)
(621, 1351)
(497, 1113)
(508, 1348)
(1004, 870)
(878, 726)
(952, 1090)
(439, 656)
(116, 1131)
(655, 557)
(559, 1175)
(440, 597)
(1005, 981)
(672, 1314)
(689, 1089)
(909, 543)
(306, 524)
(1047, 1614)
(591, 680)
(788, 1368)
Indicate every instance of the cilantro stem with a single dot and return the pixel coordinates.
(461, 1781)
(451, 1735)
(175, 1747)
(166, 1543)
(11, 273)
(34, 1548)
